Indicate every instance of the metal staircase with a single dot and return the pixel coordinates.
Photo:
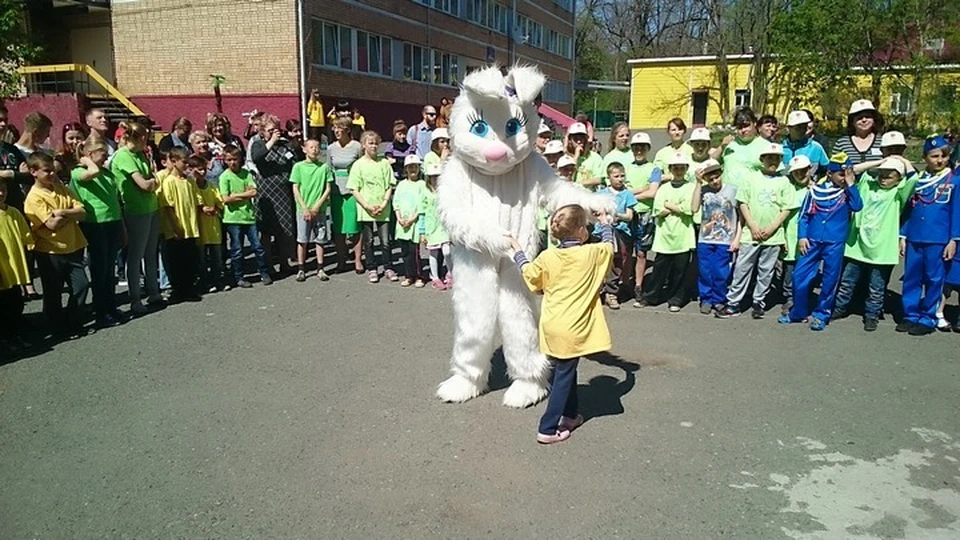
(82, 80)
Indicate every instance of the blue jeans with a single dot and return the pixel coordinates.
(877, 274)
(713, 278)
(237, 232)
(563, 395)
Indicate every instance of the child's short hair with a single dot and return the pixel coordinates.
(35, 122)
(233, 150)
(40, 160)
(90, 146)
(567, 221)
(615, 166)
(177, 154)
(368, 134)
(196, 162)
(292, 125)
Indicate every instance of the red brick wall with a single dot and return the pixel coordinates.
(165, 109)
(61, 109)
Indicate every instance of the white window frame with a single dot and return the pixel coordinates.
(742, 97)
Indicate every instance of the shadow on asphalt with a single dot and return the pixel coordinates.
(602, 395)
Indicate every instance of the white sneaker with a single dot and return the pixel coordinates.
(942, 323)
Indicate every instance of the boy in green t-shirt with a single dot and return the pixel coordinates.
(765, 199)
(311, 181)
(238, 191)
(800, 170)
(873, 245)
(643, 180)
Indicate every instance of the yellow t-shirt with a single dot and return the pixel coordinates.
(571, 318)
(14, 237)
(315, 113)
(210, 227)
(39, 207)
(182, 195)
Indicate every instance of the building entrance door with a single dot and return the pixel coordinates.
(699, 103)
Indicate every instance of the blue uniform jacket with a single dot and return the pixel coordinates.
(933, 211)
(825, 215)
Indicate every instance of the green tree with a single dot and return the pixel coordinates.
(16, 48)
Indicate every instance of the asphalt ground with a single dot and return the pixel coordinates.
(307, 410)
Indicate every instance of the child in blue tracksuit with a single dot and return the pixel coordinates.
(930, 234)
(823, 229)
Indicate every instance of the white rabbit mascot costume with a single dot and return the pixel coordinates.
(491, 185)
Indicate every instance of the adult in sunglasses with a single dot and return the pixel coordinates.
(419, 136)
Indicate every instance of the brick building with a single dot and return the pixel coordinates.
(388, 57)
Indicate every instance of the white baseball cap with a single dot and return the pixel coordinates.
(565, 161)
(439, 133)
(640, 138)
(577, 128)
(797, 118)
(799, 163)
(434, 169)
(412, 159)
(861, 105)
(678, 158)
(772, 149)
(700, 134)
(544, 128)
(709, 165)
(893, 138)
(893, 164)
(553, 147)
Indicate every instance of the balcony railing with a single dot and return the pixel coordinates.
(71, 79)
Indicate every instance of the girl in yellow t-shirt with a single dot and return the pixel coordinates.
(571, 318)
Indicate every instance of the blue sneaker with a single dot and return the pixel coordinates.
(817, 325)
(784, 319)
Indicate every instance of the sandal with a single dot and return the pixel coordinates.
(419, 285)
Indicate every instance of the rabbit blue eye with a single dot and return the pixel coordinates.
(513, 127)
(480, 128)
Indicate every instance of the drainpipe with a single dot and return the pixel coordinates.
(511, 31)
(302, 71)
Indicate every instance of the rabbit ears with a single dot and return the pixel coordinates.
(519, 83)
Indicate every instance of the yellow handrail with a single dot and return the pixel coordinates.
(92, 73)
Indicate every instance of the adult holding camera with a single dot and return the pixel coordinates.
(274, 158)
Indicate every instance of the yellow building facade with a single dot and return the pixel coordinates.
(688, 88)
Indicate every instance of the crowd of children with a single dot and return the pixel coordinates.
(726, 222)
(721, 223)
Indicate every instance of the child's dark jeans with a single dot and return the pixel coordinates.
(55, 270)
(237, 233)
(563, 395)
(878, 276)
(211, 265)
(622, 269)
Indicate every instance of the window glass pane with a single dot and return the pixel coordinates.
(374, 54)
(386, 56)
(346, 48)
(331, 45)
(417, 63)
(454, 69)
(362, 52)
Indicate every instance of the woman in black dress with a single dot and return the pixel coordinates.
(274, 158)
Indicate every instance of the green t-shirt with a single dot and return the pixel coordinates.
(662, 156)
(135, 200)
(623, 157)
(371, 178)
(590, 167)
(543, 219)
(311, 178)
(740, 159)
(874, 236)
(792, 223)
(432, 227)
(234, 183)
(430, 159)
(407, 202)
(765, 197)
(638, 177)
(99, 195)
(674, 232)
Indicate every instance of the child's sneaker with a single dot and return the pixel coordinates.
(904, 326)
(757, 312)
(870, 325)
(372, 277)
(406, 282)
(448, 280)
(244, 284)
(301, 276)
(322, 276)
(391, 275)
(785, 319)
(727, 312)
(817, 325)
(705, 308)
(839, 314)
(418, 284)
(942, 324)
(921, 330)
(438, 285)
(570, 424)
(559, 436)
(674, 309)
(611, 301)
(640, 303)
(265, 279)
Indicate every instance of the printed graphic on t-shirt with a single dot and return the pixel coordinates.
(719, 220)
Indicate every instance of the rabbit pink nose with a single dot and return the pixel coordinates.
(495, 152)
